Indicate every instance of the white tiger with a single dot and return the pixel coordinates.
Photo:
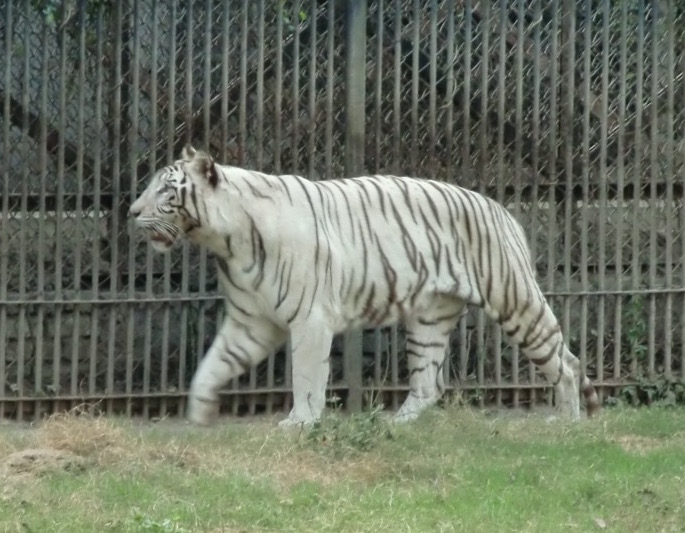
(312, 259)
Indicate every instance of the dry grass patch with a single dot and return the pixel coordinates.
(6, 448)
(282, 458)
(68, 442)
(638, 444)
(38, 461)
(539, 427)
(87, 435)
(20, 468)
(293, 466)
(173, 453)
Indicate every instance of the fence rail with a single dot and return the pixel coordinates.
(570, 113)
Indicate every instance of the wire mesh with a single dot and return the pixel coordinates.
(570, 113)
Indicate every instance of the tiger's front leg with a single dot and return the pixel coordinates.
(311, 346)
(242, 342)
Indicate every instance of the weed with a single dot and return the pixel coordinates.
(661, 392)
(143, 523)
(636, 328)
(341, 435)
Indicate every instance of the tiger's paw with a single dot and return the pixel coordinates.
(405, 417)
(295, 422)
(203, 411)
(412, 407)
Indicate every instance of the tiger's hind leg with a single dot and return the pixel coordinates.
(538, 334)
(427, 342)
(240, 344)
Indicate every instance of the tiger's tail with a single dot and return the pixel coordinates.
(592, 404)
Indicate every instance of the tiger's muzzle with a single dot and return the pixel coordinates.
(162, 234)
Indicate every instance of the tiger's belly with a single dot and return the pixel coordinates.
(379, 305)
(341, 293)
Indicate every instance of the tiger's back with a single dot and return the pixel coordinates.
(381, 248)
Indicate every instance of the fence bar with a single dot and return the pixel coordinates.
(259, 111)
(604, 111)
(135, 67)
(681, 209)
(170, 156)
(669, 175)
(59, 208)
(132, 50)
(468, 388)
(397, 168)
(378, 375)
(311, 107)
(553, 144)
(278, 90)
(295, 94)
(260, 158)
(242, 125)
(191, 81)
(474, 389)
(4, 237)
(654, 169)
(638, 151)
(502, 21)
(450, 372)
(378, 89)
(213, 297)
(518, 164)
(535, 161)
(225, 58)
(414, 111)
(466, 92)
(207, 135)
(502, 31)
(153, 161)
(397, 88)
(330, 88)
(482, 349)
(566, 126)
(23, 243)
(80, 142)
(355, 76)
(432, 77)
(116, 140)
(94, 355)
(42, 215)
(585, 170)
(620, 180)
(242, 108)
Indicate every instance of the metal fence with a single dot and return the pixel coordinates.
(570, 113)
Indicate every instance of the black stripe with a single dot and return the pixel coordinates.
(425, 344)
(284, 289)
(297, 309)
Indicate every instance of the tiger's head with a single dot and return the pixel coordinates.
(170, 208)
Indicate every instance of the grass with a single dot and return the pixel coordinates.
(452, 470)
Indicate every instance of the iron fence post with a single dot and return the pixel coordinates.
(355, 86)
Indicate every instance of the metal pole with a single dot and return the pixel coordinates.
(355, 86)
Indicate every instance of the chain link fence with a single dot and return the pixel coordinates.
(570, 113)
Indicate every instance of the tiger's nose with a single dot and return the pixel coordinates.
(133, 212)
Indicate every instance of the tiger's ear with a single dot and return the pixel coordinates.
(188, 153)
(204, 164)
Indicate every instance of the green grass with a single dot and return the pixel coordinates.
(452, 470)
